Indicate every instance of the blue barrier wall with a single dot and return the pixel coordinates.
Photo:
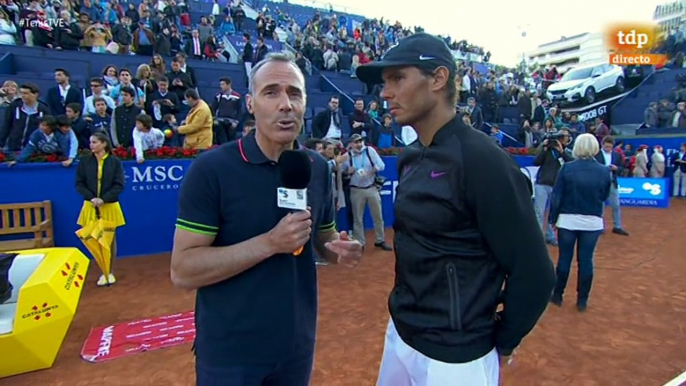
(149, 200)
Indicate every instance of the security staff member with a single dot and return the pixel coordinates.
(464, 227)
(256, 303)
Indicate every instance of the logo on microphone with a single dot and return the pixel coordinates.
(295, 199)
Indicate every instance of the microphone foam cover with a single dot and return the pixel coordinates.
(295, 169)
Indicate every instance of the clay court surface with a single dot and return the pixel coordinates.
(634, 332)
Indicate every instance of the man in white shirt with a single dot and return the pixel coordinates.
(362, 167)
(97, 89)
(327, 124)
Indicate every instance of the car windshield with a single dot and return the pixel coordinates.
(582, 73)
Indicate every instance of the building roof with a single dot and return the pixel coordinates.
(563, 39)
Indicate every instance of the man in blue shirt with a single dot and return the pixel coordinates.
(256, 303)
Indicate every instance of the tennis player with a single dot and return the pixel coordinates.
(466, 236)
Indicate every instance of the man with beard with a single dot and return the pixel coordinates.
(465, 228)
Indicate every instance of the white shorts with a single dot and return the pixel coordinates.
(402, 365)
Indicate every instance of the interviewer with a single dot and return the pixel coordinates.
(256, 303)
(576, 210)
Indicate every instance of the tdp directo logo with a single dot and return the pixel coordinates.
(633, 44)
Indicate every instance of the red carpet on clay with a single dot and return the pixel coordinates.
(126, 339)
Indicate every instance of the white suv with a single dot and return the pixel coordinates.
(585, 82)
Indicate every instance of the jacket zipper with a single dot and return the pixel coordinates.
(454, 288)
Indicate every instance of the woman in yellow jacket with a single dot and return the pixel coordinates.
(100, 180)
(198, 123)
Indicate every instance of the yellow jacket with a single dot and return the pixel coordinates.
(198, 127)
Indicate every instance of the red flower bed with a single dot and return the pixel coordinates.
(520, 151)
(125, 154)
(36, 158)
(165, 152)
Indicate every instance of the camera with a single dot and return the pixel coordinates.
(553, 138)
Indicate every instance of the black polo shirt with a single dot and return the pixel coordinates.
(264, 314)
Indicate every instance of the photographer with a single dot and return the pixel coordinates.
(551, 156)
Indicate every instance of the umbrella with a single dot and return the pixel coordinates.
(97, 237)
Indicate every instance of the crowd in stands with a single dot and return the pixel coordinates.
(140, 112)
(161, 27)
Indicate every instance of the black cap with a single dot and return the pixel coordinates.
(419, 50)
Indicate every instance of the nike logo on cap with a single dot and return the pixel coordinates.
(424, 57)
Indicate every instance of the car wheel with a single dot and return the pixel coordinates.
(589, 96)
(619, 85)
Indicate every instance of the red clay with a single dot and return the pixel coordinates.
(632, 334)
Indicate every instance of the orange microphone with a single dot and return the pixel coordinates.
(295, 172)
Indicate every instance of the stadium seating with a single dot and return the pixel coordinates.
(658, 86)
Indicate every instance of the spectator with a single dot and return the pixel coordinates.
(77, 125)
(124, 119)
(198, 124)
(551, 156)
(125, 81)
(101, 120)
(650, 116)
(7, 30)
(205, 29)
(63, 94)
(97, 86)
(122, 35)
(678, 117)
(679, 162)
(8, 92)
(362, 167)
(664, 113)
(215, 51)
(162, 102)
(657, 161)
(360, 121)
(641, 166)
(68, 35)
(180, 82)
(330, 59)
(261, 50)
(227, 106)
(227, 28)
(186, 69)
(44, 140)
(613, 161)
(22, 118)
(143, 40)
(247, 56)
(64, 124)
(146, 137)
(497, 135)
(327, 124)
(195, 46)
(475, 114)
(99, 36)
(385, 138)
